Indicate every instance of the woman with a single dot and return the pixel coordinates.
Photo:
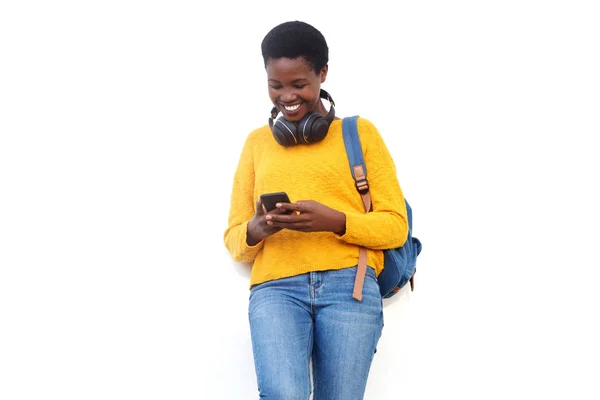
(304, 263)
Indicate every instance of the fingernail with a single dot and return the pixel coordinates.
(278, 205)
(269, 217)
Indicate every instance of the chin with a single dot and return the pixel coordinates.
(295, 118)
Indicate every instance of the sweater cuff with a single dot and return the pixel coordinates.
(349, 235)
(248, 253)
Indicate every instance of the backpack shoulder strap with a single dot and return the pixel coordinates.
(355, 158)
(357, 163)
(359, 173)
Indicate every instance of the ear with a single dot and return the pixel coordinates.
(324, 73)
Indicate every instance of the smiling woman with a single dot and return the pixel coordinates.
(308, 300)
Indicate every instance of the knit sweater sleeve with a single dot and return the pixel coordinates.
(386, 226)
(242, 207)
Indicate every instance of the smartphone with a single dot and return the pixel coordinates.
(270, 199)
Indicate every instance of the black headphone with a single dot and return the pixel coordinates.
(311, 128)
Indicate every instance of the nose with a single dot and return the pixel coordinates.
(288, 96)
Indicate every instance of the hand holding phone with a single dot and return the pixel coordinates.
(269, 200)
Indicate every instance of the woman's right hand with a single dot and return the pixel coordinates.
(258, 229)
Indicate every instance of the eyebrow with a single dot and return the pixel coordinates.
(294, 81)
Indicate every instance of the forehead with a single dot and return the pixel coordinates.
(289, 69)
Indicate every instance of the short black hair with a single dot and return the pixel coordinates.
(295, 39)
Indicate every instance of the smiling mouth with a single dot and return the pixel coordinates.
(292, 108)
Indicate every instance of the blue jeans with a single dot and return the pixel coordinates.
(314, 316)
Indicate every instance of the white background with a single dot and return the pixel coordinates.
(121, 124)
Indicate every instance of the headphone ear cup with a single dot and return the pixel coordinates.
(284, 132)
(313, 127)
(305, 127)
(317, 129)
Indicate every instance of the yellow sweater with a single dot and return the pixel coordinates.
(319, 172)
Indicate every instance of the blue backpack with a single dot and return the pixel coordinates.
(399, 264)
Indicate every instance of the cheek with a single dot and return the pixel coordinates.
(312, 98)
(273, 96)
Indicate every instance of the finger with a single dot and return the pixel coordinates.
(287, 207)
(296, 226)
(281, 217)
(279, 210)
(259, 207)
(294, 221)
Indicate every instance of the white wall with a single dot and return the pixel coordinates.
(121, 124)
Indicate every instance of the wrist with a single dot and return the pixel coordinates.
(251, 237)
(341, 224)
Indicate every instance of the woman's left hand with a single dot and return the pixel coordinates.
(309, 216)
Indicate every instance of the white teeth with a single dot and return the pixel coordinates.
(292, 108)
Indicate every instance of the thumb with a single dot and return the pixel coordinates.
(259, 208)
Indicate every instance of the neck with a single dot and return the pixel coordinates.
(322, 109)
